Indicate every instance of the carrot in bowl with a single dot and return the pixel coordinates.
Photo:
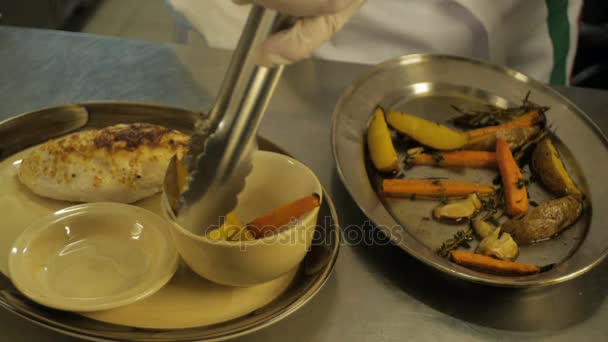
(279, 217)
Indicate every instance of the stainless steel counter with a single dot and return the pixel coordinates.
(378, 292)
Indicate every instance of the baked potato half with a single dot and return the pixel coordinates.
(546, 220)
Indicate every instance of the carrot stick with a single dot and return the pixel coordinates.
(182, 175)
(270, 222)
(526, 120)
(457, 159)
(516, 196)
(435, 188)
(489, 264)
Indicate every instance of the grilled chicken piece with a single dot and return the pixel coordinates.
(121, 163)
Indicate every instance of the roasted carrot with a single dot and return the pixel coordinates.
(269, 223)
(530, 119)
(516, 196)
(434, 188)
(456, 159)
(488, 264)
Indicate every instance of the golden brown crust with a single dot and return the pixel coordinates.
(124, 162)
(133, 136)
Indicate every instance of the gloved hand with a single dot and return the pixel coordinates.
(318, 21)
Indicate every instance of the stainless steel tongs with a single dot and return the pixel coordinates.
(221, 147)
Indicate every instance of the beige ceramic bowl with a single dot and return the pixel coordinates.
(274, 181)
(94, 256)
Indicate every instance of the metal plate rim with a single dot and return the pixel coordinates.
(289, 309)
(453, 270)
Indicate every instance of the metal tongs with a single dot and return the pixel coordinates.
(222, 146)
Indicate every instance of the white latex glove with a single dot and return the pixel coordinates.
(318, 21)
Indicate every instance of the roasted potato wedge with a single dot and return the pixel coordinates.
(427, 132)
(515, 137)
(381, 149)
(549, 168)
(545, 221)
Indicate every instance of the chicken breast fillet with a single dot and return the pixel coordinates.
(121, 163)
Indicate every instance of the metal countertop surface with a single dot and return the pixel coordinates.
(377, 292)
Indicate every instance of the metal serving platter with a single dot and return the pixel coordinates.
(36, 127)
(426, 85)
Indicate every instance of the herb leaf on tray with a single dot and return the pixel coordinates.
(461, 238)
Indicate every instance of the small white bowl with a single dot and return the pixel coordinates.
(93, 256)
(274, 181)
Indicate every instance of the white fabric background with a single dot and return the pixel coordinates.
(510, 32)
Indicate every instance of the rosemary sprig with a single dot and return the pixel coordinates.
(494, 206)
(461, 238)
(476, 119)
(492, 115)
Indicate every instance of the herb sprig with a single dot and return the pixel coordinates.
(493, 115)
(461, 238)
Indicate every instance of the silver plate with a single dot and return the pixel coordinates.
(426, 85)
(36, 127)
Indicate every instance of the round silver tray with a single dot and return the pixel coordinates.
(427, 85)
(36, 127)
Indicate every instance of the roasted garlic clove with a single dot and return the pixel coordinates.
(414, 151)
(482, 228)
(458, 210)
(498, 245)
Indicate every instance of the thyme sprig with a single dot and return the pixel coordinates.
(461, 238)
(493, 115)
